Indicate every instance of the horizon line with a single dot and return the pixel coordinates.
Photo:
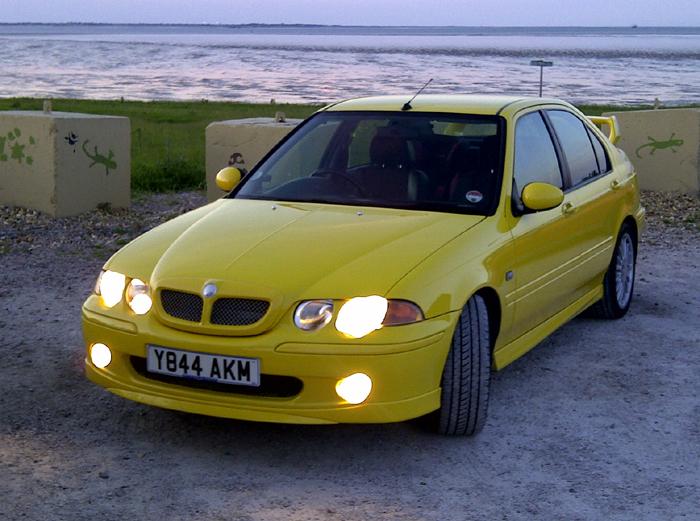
(299, 24)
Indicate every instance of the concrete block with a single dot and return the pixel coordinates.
(664, 146)
(241, 143)
(64, 163)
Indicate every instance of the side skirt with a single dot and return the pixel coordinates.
(518, 347)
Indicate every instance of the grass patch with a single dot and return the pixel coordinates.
(167, 137)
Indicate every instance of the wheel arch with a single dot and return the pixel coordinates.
(493, 306)
(632, 222)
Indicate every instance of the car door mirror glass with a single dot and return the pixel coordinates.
(537, 197)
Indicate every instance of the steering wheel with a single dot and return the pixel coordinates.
(328, 173)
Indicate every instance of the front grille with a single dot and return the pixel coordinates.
(185, 306)
(238, 311)
(271, 386)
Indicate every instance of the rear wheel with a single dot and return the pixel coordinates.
(467, 373)
(618, 283)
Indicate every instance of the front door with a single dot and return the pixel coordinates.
(545, 244)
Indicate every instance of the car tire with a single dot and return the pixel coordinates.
(618, 284)
(467, 374)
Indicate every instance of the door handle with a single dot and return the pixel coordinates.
(568, 208)
(615, 185)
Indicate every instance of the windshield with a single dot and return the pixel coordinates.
(441, 162)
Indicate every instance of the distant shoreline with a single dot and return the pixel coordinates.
(547, 28)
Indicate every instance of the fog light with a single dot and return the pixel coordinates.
(100, 355)
(354, 388)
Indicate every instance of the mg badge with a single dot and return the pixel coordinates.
(209, 290)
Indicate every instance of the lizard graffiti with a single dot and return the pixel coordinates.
(100, 159)
(655, 145)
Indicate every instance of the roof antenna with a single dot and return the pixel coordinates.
(407, 105)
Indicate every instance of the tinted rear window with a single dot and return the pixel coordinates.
(576, 145)
(600, 155)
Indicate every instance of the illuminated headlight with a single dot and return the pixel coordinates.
(354, 388)
(313, 314)
(138, 297)
(360, 316)
(110, 286)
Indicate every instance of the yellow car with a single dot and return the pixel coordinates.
(375, 266)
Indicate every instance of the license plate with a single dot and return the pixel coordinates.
(201, 366)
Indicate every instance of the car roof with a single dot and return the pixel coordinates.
(449, 103)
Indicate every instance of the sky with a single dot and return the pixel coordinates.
(360, 12)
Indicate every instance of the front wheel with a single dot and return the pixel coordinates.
(467, 373)
(618, 283)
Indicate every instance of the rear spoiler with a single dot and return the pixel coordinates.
(611, 123)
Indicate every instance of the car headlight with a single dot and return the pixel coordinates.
(360, 316)
(110, 286)
(402, 312)
(311, 315)
(138, 296)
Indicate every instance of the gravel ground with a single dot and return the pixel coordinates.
(601, 421)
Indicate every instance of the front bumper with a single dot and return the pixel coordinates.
(405, 364)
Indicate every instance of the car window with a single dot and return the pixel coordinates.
(535, 157)
(578, 150)
(304, 159)
(441, 162)
(358, 150)
(600, 154)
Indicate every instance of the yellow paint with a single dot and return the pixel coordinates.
(612, 125)
(544, 267)
(541, 196)
(228, 178)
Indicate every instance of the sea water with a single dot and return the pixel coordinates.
(325, 63)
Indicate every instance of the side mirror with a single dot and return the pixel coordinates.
(541, 196)
(228, 178)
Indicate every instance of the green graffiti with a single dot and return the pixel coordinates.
(100, 159)
(15, 149)
(18, 152)
(655, 145)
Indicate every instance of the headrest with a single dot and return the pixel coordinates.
(389, 148)
(482, 157)
(463, 157)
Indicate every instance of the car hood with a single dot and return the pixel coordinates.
(285, 252)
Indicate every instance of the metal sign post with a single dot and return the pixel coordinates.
(541, 64)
